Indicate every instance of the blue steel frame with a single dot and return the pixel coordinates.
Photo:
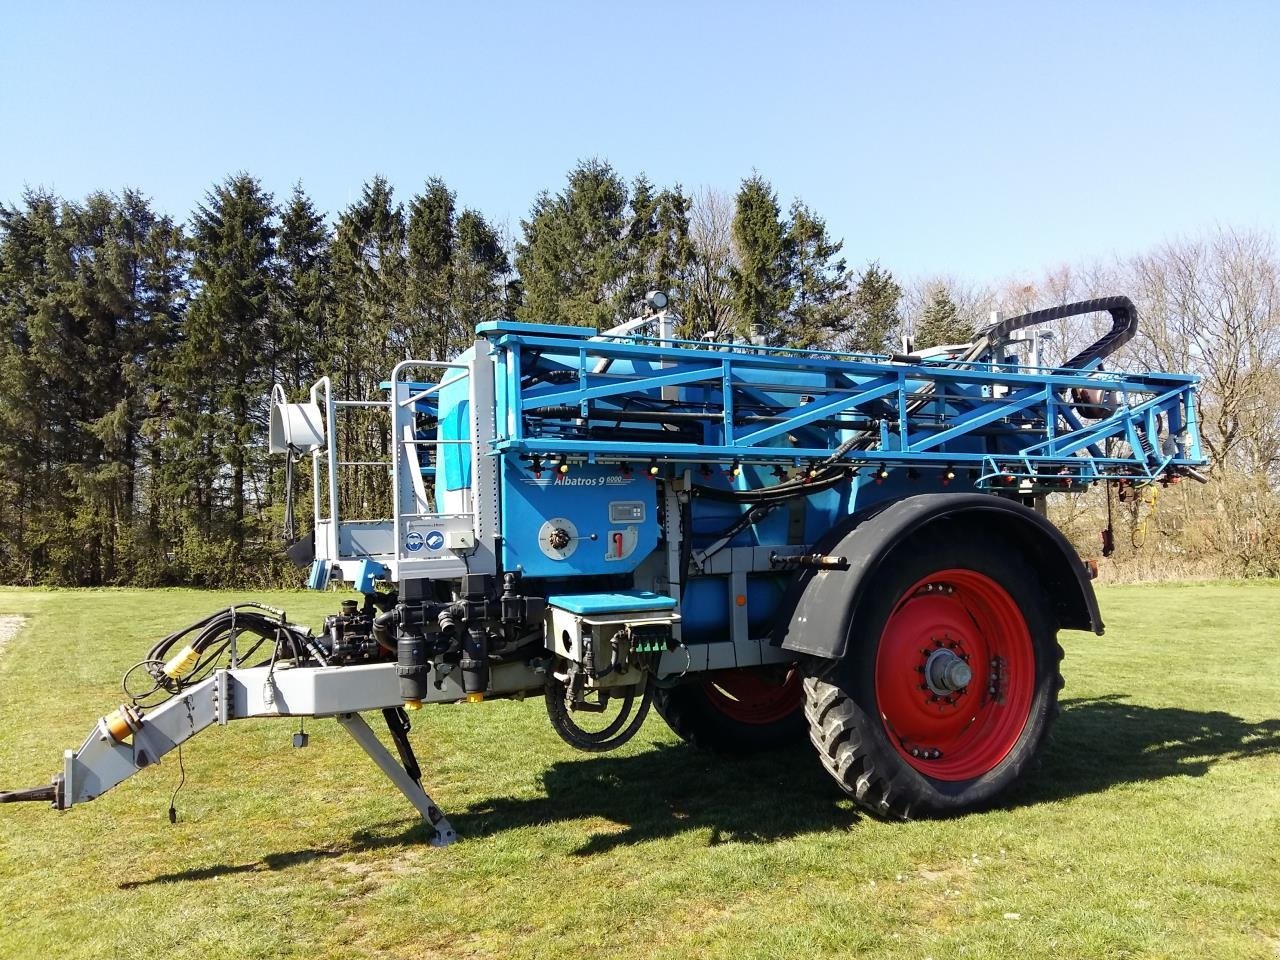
(916, 410)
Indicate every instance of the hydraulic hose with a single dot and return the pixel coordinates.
(1124, 325)
(786, 490)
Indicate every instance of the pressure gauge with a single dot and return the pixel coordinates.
(558, 538)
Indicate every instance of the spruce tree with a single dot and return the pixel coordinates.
(30, 392)
(762, 276)
(590, 253)
(822, 314)
(369, 336)
(89, 293)
(940, 323)
(482, 279)
(303, 293)
(660, 252)
(225, 360)
(163, 284)
(572, 258)
(429, 273)
(876, 300)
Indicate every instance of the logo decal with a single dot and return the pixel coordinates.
(560, 480)
(435, 540)
(413, 542)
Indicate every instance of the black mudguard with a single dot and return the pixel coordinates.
(820, 604)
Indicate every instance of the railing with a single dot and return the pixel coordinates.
(406, 446)
(908, 413)
(409, 496)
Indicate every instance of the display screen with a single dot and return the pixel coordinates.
(626, 511)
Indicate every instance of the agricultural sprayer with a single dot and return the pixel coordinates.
(759, 543)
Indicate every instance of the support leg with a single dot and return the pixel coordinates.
(398, 725)
(354, 724)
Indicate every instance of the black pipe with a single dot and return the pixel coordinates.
(786, 490)
(382, 625)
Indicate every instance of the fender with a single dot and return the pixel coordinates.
(821, 604)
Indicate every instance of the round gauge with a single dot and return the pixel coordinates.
(558, 538)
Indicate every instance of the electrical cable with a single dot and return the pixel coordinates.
(202, 653)
(182, 779)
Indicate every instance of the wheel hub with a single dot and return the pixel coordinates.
(945, 672)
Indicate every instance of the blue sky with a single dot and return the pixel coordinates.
(977, 139)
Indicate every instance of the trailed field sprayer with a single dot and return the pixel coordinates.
(760, 543)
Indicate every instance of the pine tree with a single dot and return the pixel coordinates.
(429, 273)
(482, 277)
(876, 300)
(88, 292)
(659, 252)
(29, 386)
(303, 292)
(941, 324)
(225, 361)
(762, 277)
(572, 257)
(822, 313)
(369, 336)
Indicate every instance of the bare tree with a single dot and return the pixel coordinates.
(1212, 307)
(709, 304)
(1055, 287)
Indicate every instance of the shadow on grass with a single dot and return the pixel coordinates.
(670, 790)
(360, 841)
(1100, 742)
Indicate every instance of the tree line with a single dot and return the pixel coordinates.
(138, 351)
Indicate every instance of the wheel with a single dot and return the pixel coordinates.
(948, 685)
(737, 711)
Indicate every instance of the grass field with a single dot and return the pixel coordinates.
(1152, 829)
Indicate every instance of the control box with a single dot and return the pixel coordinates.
(591, 519)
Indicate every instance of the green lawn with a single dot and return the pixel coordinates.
(1152, 829)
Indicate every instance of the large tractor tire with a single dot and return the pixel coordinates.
(737, 711)
(948, 686)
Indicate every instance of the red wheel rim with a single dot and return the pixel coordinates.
(753, 696)
(955, 734)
